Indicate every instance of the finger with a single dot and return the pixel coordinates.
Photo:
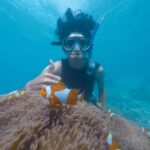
(51, 65)
(52, 76)
(48, 81)
(52, 82)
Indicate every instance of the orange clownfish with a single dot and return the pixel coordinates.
(17, 94)
(59, 94)
(112, 142)
(146, 132)
(13, 96)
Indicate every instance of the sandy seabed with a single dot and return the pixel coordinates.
(31, 124)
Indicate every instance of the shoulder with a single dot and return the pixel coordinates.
(100, 69)
(99, 73)
(99, 77)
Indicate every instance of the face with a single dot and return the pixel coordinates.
(76, 46)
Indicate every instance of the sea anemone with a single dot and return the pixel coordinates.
(30, 124)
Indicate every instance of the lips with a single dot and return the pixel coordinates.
(76, 54)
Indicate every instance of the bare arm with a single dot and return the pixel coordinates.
(101, 89)
(50, 75)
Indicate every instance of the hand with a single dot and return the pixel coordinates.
(47, 77)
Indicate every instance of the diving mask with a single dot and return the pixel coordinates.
(69, 43)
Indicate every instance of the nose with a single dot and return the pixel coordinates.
(76, 47)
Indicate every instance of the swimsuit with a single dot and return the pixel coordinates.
(83, 78)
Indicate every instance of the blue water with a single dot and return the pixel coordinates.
(121, 45)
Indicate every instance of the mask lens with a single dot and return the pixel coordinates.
(69, 43)
(84, 43)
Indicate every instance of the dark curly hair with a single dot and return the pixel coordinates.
(76, 21)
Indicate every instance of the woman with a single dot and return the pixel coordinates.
(76, 32)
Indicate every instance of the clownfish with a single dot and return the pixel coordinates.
(16, 94)
(13, 96)
(112, 142)
(59, 94)
(110, 113)
(146, 132)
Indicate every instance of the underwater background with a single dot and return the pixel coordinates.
(121, 46)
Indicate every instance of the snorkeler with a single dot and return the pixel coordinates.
(76, 33)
